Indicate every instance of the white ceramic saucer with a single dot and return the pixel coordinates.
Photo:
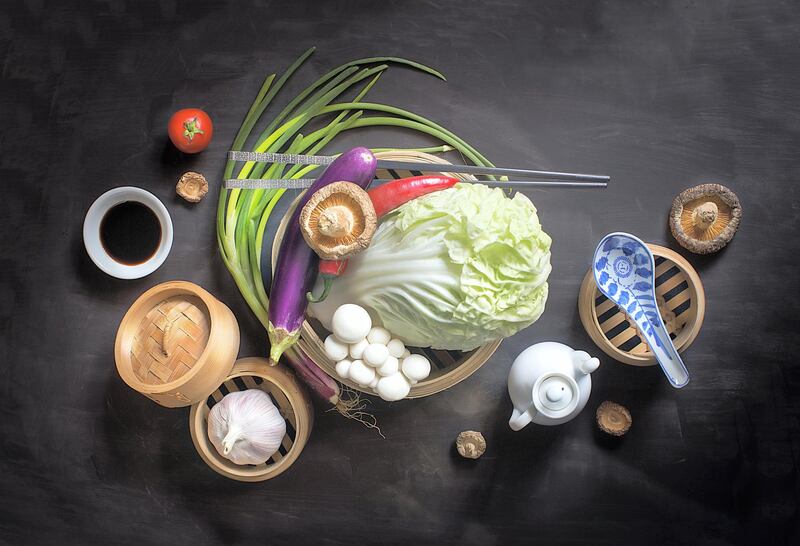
(91, 232)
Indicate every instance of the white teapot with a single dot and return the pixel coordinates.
(549, 384)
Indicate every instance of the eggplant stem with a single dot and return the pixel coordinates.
(280, 339)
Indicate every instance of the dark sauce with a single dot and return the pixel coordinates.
(130, 233)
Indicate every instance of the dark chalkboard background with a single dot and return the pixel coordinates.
(661, 95)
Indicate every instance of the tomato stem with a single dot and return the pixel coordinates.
(190, 128)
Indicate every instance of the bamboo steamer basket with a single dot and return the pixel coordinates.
(447, 367)
(681, 303)
(288, 396)
(176, 344)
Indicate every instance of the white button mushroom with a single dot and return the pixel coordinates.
(361, 373)
(343, 368)
(379, 335)
(357, 349)
(374, 383)
(351, 323)
(396, 348)
(393, 387)
(416, 368)
(375, 355)
(390, 367)
(405, 354)
(335, 349)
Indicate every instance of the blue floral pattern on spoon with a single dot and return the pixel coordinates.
(624, 269)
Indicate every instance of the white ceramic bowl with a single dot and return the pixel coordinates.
(91, 232)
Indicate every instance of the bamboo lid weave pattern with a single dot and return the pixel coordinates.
(170, 339)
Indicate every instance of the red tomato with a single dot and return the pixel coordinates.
(190, 130)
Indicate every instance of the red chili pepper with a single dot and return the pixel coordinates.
(385, 199)
(391, 195)
(329, 270)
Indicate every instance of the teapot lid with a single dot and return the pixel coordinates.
(556, 395)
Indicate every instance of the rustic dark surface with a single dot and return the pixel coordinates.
(661, 95)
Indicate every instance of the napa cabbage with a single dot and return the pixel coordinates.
(450, 270)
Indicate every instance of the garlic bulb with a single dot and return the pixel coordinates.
(246, 427)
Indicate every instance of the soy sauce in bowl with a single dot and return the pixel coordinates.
(130, 232)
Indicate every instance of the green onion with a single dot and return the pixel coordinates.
(243, 215)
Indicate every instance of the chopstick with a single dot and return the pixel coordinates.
(550, 176)
(302, 183)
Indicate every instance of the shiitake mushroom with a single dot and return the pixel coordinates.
(192, 186)
(613, 418)
(705, 218)
(338, 221)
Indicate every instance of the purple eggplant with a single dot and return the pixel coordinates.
(296, 269)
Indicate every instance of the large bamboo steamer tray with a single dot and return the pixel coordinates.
(681, 302)
(176, 344)
(447, 367)
(289, 397)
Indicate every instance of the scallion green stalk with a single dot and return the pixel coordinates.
(243, 215)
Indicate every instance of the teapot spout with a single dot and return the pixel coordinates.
(519, 419)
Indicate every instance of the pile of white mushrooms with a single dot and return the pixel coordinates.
(371, 357)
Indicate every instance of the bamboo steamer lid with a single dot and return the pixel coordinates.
(681, 302)
(447, 367)
(289, 397)
(176, 344)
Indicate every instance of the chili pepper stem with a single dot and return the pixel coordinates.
(326, 290)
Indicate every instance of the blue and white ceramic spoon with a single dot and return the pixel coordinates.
(624, 269)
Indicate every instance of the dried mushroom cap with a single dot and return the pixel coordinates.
(705, 218)
(192, 186)
(470, 444)
(338, 221)
(613, 418)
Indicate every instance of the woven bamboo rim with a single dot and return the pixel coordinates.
(176, 343)
(447, 367)
(288, 396)
(682, 304)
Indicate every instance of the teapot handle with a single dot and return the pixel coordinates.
(585, 363)
(520, 419)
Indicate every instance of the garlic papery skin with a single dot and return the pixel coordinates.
(245, 427)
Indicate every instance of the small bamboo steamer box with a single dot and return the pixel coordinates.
(681, 302)
(176, 344)
(289, 397)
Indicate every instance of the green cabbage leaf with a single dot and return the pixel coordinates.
(451, 270)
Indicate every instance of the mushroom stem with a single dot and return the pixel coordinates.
(705, 215)
(336, 221)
